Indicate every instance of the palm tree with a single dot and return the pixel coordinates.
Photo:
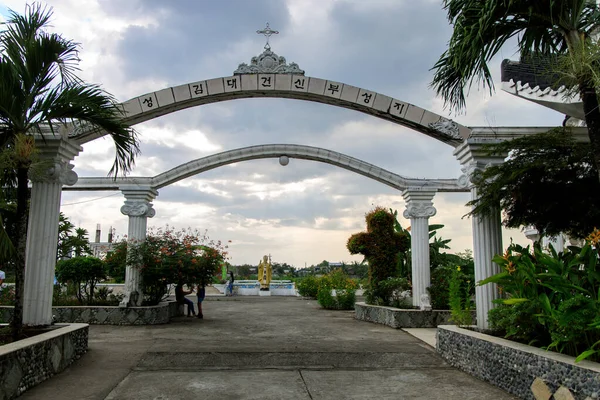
(40, 91)
(544, 28)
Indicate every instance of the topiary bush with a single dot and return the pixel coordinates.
(380, 245)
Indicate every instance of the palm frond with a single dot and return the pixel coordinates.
(482, 28)
(88, 104)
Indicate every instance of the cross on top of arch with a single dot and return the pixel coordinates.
(267, 32)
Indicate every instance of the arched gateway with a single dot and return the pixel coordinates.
(268, 75)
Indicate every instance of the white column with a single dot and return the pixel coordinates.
(42, 229)
(487, 230)
(419, 208)
(138, 207)
(487, 243)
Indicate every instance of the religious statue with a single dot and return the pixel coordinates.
(264, 273)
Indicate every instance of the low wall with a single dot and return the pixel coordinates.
(252, 288)
(28, 362)
(401, 318)
(102, 315)
(525, 371)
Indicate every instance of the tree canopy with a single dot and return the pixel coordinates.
(549, 181)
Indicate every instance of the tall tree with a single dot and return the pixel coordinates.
(549, 181)
(544, 28)
(40, 91)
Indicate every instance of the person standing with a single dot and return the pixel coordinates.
(201, 294)
(181, 299)
(231, 280)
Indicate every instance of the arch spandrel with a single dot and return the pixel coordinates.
(155, 104)
(269, 151)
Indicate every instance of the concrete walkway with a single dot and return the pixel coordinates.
(261, 348)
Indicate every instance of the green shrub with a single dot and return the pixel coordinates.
(459, 296)
(175, 257)
(308, 286)
(7, 296)
(391, 292)
(84, 273)
(345, 291)
(551, 299)
(116, 262)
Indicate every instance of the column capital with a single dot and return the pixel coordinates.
(55, 153)
(418, 202)
(138, 201)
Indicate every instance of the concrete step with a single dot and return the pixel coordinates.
(245, 360)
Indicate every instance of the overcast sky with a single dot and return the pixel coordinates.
(302, 213)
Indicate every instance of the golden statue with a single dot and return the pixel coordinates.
(265, 271)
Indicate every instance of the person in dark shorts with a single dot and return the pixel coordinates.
(181, 299)
(230, 286)
(201, 294)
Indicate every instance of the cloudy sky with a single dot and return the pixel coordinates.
(302, 213)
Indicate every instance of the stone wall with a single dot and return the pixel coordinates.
(28, 362)
(401, 318)
(151, 315)
(525, 371)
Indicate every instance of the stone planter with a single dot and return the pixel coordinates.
(28, 362)
(525, 371)
(104, 315)
(402, 318)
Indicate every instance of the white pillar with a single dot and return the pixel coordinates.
(138, 207)
(419, 208)
(487, 243)
(42, 229)
(487, 230)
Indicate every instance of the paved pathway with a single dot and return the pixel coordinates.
(261, 348)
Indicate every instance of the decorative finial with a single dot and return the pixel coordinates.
(267, 32)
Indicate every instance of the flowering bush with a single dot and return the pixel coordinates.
(176, 257)
(345, 291)
(551, 300)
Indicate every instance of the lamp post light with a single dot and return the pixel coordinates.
(284, 160)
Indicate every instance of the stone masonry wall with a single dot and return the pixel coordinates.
(525, 371)
(401, 318)
(28, 362)
(152, 315)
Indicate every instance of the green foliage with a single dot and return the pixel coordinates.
(71, 243)
(345, 291)
(438, 290)
(84, 273)
(459, 298)
(308, 286)
(481, 28)
(551, 299)
(549, 181)
(391, 292)
(176, 257)
(40, 89)
(380, 246)
(7, 296)
(116, 261)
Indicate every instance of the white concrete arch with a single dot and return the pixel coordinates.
(269, 151)
(165, 101)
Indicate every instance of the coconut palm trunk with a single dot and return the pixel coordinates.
(21, 247)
